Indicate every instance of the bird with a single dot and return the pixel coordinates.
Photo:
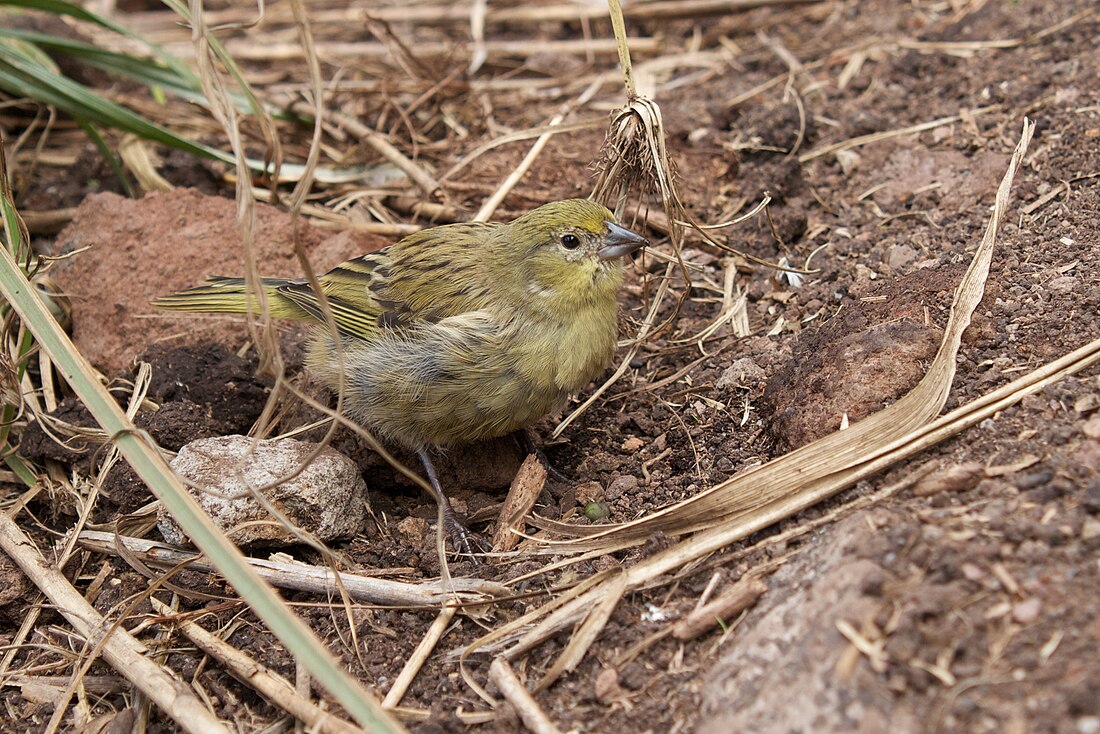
(459, 332)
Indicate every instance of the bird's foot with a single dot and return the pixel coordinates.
(465, 542)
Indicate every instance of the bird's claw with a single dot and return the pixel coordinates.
(463, 541)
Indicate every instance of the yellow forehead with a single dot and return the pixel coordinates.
(578, 213)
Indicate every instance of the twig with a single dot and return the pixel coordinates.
(50, 221)
(302, 577)
(887, 134)
(423, 180)
(121, 649)
(730, 603)
(532, 715)
(525, 489)
(268, 684)
(419, 656)
(513, 178)
(428, 15)
(247, 50)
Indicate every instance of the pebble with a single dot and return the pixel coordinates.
(744, 373)
(620, 486)
(1090, 500)
(1033, 479)
(849, 161)
(1090, 533)
(1092, 427)
(898, 256)
(1088, 724)
(631, 445)
(1027, 611)
(413, 528)
(596, 510)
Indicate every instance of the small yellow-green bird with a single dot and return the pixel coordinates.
(460, 332)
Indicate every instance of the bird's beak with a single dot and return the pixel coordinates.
(620, 242)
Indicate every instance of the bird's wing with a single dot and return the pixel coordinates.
(422, 278)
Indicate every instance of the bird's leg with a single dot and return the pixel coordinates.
(527, 446)
(463, 540)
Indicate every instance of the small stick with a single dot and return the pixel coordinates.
(513, 178)
(887, 134)
(432, 15)
(729, 603)
(423, 180)
(532, 715)
(342, 51)
(268, 684)
(49, 221)
(121, 649)
(529, 481)
(419, 657)
(302, 577)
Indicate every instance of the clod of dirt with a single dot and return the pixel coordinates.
(326, 498)
(36, 443)
(13, 584)
(856, 375)
(143, 248)
(224, 384)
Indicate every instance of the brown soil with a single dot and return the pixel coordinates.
(983, 594)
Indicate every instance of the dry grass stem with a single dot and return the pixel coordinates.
(49, 221)
(887, 134)
(438, 14)
(490, 205)
(423, 180)
(124, 652)
(267, 683)
(334, 51)
(419, 656)
(513, 690)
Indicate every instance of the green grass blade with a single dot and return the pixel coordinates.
(60, 7)
(149, 72)
(21, 470)
(22, 77)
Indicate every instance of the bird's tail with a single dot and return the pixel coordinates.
(229, 295)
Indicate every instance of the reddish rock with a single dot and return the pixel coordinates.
(139, 249)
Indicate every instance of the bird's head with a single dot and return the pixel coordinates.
(571, 251)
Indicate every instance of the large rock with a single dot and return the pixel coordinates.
(327, 498)
(783, 669)
(138, 249)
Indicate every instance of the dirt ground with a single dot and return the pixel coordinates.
(974, 607)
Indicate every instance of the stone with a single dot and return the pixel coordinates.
(620, 486)
(1027, 611)
(898, 256)
(744, 373)
(327, 498)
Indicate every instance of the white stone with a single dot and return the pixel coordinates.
(327, 498)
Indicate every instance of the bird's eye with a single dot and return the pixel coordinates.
(570, 241)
